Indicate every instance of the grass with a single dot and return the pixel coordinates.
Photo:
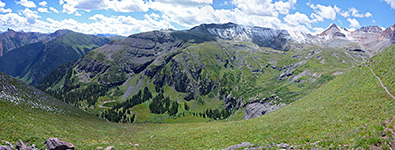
(348, 111)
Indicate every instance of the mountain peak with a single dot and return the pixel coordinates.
(333, 25)
(10, 30)
(375, 29)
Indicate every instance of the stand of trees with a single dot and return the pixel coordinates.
(121, 113)
(161, 105)
(214, 114)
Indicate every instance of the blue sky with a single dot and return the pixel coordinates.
(125, 17)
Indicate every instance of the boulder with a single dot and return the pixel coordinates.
(57, 144)
(20, 145)
(239, 146)
(3, 147)
(30, 148)
(109, 148)
(8, 143)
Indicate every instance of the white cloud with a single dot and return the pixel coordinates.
(122, 25)
(355, 13)
(353, 23)
(3, 10)
(43, 3)
(391, 3)
(53, 9)
(42, 10)
(71, 6)
(322, 12)
(256, 7)
(12, 20)
(317, 30)
(187, 3)
(77, 13)
(26, 3)
(345, 14)
(30, 15)
(297, 19)
(284, 7)
(2, 4)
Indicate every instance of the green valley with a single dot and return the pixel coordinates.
(351, 111)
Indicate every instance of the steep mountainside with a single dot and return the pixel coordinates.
(213, 69)
(352, 111)
(20, 94)
(10, 40)
(34, 61)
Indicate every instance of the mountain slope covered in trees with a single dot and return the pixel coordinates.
(217, 70)
(351, 111)
(34, 61)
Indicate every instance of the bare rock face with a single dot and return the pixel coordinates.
(254, 110)
(2, 147)
(57, 144)
(258, 108)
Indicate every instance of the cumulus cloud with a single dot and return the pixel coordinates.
(391, 3)
(43, 10)
(26, 3)
(122, 25)
(256, 7)
(186, 3)
(322, 12)
(43, 4)
(53, 9)
(353, 23)
(355, 13)
(2, 9)
(2, 4)
(71, 6)
(12, 20)
(284, 7)
(297, 19)
(77, 13)
(30, 15)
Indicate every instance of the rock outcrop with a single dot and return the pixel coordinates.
(258, 108)
(57, 144)
(3, 147)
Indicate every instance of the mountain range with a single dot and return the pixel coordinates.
(230, 70)
(352, 111)
(31, 56)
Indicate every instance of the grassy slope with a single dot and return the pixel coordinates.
(348, 110)
(246, 85)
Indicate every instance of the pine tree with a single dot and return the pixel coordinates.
(186, 106)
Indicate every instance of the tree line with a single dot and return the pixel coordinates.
(120, 113)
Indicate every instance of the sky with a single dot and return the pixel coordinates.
(125, 17)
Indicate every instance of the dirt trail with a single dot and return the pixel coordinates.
(382, 85)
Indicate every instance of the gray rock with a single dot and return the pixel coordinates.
(57, 144)
(109, 148)
(20, 145)
(3, 147)
(256, 109)
(30, 148)
(8, 143)
(237, 146)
